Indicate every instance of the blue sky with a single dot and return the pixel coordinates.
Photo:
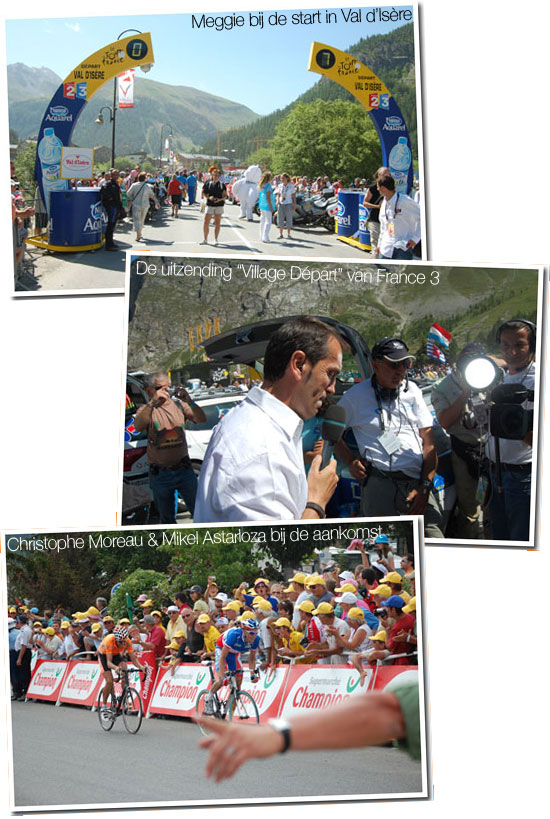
(264, 68)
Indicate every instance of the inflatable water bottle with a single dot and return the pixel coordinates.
(399, 162)
(49, 153)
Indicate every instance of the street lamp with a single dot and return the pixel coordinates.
(113, 110)
(99, 121)
(166, 125)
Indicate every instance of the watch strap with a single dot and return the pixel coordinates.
(282, 726)
(316, 508)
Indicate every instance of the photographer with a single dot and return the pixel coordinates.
(170, 468)
(511, 508)
(450, 400)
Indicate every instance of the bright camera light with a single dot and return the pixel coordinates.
(480, 373)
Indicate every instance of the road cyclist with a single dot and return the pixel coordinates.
(112, 653)
(229, 646)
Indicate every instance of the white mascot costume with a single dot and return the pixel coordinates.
(246, 191)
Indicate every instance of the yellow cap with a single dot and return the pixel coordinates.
(411, 606)
(233, 605)
(382, 591)
(203, 618)
(282, 621)
(356, 613)
(263, 605)
(300, 578)
(324, 608)
(380, 635)
(393, 577)
(307, 606)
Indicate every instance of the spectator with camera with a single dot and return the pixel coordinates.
(170, 468)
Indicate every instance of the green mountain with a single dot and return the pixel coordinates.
(391, 57)
(470, 302)
(194, 115)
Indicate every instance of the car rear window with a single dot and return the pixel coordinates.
(213, 412)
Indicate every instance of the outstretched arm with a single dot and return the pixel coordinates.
(367, 719)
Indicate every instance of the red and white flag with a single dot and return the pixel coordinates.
(126, 89)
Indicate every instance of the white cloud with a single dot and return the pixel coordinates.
(73, 26)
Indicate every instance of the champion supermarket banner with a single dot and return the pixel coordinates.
(290, 690)
(79, 682)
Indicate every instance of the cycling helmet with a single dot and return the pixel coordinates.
(250, 625)
(120, 634)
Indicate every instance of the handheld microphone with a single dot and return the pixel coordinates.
(332, 429)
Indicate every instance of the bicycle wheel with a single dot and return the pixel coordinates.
(199, 711)
(106, 720)
(132, 710)
(242, 708)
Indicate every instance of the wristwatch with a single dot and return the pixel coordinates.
(425, 485)
(282, 726)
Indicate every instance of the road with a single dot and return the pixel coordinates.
(163, 763)
(101, 269)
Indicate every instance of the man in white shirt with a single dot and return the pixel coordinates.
(254, 466)
(23, 647)
(399, 222)
(393, 428)
(510, 509)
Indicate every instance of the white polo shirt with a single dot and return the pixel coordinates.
(254, 465)
(403, 416)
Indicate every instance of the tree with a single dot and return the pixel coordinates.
(262, 157)
(332, 138)
(24, 168)
(141, 581)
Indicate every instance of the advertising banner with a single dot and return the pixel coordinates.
(177, 694)
(75, 91)
(77, 163)
(312, 688)
(46, 681)
(387, 676)
(377, 99)
(82, 683)
(126, 89)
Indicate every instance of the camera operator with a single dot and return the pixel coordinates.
(510, 509)
(170, 468)
(450, 399)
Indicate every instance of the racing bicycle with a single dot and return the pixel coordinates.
(127, 704)
(237, 706)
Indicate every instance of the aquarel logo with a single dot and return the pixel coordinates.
(59, 113)
(394, 124)
(93, 222)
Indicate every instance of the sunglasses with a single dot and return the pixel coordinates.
(398, 365)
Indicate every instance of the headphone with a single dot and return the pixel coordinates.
(385, 393)
(530, 326)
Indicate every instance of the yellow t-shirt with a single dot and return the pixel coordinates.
(210, 638)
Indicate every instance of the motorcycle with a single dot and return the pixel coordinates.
(314, 210)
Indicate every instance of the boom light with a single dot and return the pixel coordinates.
(482, 374)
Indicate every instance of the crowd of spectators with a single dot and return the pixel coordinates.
(330, 617)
